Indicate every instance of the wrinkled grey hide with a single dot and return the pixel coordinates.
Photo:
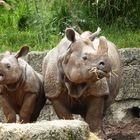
(82, 76)
(21, 88)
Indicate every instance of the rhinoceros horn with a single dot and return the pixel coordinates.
(103, 47)
(95, 34)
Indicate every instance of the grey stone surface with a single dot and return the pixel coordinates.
(35, 59)
(130, 88)
(130, 56)
(124, 111)
(45, 130)
(47, 113)
(2, 116)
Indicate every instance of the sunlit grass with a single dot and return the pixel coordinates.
(45, 21)
(123, 38)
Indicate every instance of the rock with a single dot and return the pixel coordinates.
(45, 130)
(123, 131)
(2, 116)
(47, 113)
(130, 56)
(130, 76)
(124, 111)
(130, 88)
(35, 59)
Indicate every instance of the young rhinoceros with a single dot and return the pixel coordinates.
(21, 88)
(82, 79)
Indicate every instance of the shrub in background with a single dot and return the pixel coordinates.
(41, 23)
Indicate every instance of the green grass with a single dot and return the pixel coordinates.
(33, 34)
(41, 24)
(123, 38)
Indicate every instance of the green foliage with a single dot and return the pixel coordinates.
(27, 23)
(123, 38)
(41, 23)
(125, 13)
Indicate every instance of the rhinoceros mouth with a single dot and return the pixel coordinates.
(2, 77)
(99, 73)
(102, 73)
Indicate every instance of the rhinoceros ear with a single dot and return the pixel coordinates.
(70, 34)
(22, 52)
(102, 48)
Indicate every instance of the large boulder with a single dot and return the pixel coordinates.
(130, 74)
(45, 130)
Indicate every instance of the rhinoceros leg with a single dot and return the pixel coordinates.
(61, 110)
(94, 115)
(8, 111)
(27, 107)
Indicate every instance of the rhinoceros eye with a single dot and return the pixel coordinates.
(8, 66)
(84, 57)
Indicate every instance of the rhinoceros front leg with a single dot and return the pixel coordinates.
(61, 110)
(94, 115)
(8, 110)
(27, 107)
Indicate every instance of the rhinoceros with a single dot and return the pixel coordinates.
(21, 88)
(82, 76)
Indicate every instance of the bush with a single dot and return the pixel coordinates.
(41, 23)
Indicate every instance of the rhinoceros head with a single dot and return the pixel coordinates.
(82, 62)
(10, 70)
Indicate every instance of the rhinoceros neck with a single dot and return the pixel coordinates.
(15, 86)
(74, 89)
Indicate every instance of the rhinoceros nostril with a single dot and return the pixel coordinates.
(101, 65)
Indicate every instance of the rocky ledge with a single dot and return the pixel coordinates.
(45, 130)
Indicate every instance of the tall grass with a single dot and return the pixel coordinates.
(41, 23)
(28, 22)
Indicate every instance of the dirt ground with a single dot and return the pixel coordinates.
(129, 131)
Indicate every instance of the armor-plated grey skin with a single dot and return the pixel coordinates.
(21, 88)
(82, 76)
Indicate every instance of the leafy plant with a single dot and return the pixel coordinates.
(41, 23)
